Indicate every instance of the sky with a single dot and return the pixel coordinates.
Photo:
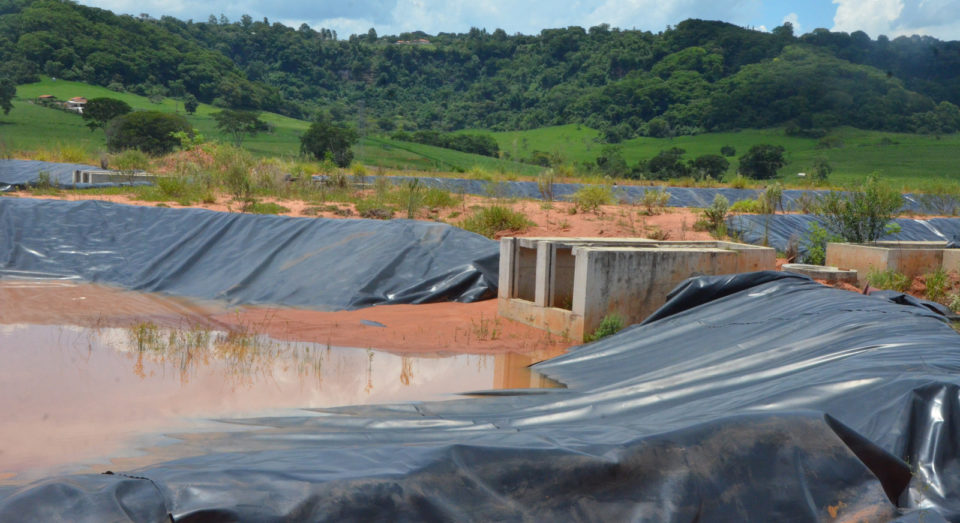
(938, 18)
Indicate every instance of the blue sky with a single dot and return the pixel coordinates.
(939, 18)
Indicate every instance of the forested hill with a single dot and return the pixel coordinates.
(698, 76)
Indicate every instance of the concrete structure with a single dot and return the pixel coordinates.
(568, 285)
(76, 104)
(820, 272)
(910, 258)
(95, 176)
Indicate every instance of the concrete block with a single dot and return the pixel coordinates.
(98, 176)
(951, 260)
(820, 272)
(910, 258)
(579, 281)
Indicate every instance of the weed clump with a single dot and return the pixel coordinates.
(589, 198)
(609, 325)
(892, 280)
(816, 244)
(714, 218)
(489, 221)
(937, 284)
(655, 201)
(266, 208)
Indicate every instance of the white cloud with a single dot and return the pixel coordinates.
(794, 21)
(433, 16)
(938, 18)
(655, 15)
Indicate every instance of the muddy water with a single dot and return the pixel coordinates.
(90, 375)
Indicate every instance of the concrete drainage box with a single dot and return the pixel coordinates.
(910, 258)
(567, 285)
(96, 176)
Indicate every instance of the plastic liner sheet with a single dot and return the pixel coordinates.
(793, 199)
(18, 174)
(21, 173)
(776, 230)
(758, 397)
(243, 258)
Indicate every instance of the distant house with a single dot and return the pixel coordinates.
(76, 104)
(419, 41)
(47, 100)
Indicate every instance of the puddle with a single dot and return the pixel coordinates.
(79, 396)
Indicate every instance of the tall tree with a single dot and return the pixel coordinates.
(99, 111)
(7, 92)
(240, 124)
(762, 161)
(149, 131)
(190, 103)
(325, 138)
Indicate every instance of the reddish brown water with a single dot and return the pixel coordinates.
(136, 367)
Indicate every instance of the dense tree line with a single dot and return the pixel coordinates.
(483, 144)
(75, 42)
(698, 76)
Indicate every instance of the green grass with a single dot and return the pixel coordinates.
(912, 161)
(395, 154)
(29, 126)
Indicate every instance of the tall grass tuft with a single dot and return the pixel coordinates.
(489, 221)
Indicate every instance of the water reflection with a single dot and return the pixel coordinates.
(76, 394)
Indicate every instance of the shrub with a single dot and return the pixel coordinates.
(821, 170)
(740, 182)
(130, 160)
(434, 197)
(545, 181)
(749, 206)
(888, 280)
(591, 197)
(816, 243)
(655, 200)
(937, 284)
(728, 150)
(716, 215)
(148, 131)
(860, 215)
(772, 199)
(489, 221)
(954, 302)
(372, 208)
(609, 325)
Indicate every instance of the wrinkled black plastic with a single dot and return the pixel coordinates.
(759, 397)
(243, 258)
(776, 230)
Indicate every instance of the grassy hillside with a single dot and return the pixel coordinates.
(909, 159)
(30, 127)
(378, 150)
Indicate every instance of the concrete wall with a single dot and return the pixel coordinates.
(635, 282)
(951, 260)
(910, 258)
(578, 281)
